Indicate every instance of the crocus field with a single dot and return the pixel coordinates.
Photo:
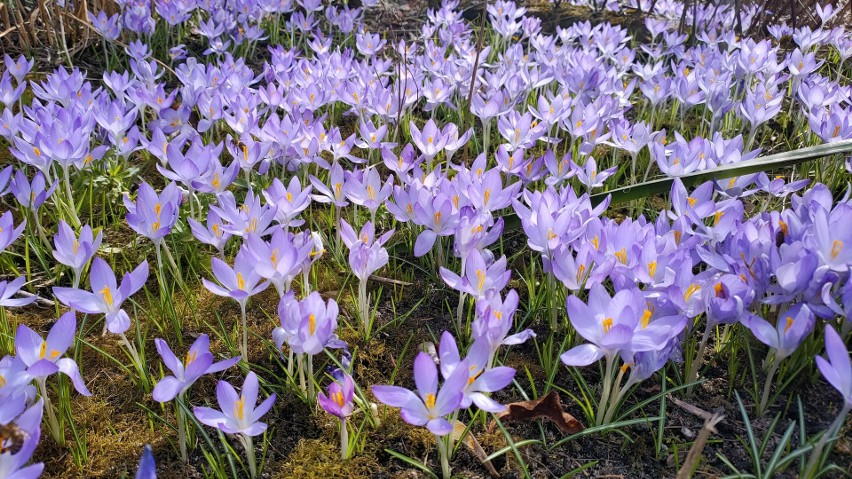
(310, 239)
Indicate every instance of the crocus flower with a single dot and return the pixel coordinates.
(198, 362)
(43, 357)
(106, 296)
(429, 407)
(289, 201)
(309, 325)
(75, 252)
(278, 260)
(616, 325)
(482, 378)
(785, 336)
(213, 234)
(237, 413)
(153, 215)
(8, 232)
(339, 401)
(147, 467)
(479, 276)
(9, 288)
(31, 195)
(837, 370)
(240, 282)
(13, 462)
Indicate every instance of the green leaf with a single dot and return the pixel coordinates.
(756, 165)
(411, 462)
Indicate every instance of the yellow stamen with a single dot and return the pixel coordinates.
(337, 397)
(692, 201)
(581, 272)
(836, 248)
(371, 192)
(789, 324)
(646, 318)
(692, 289)
(717, 217)
(338, 190)
(215, 183)
(607, 325)
(430, 400)
(652, 268)
(239, 409)
(622, 255)
(190, 357)
(76, 246)
(312, 324)
(486, 196)
(106, 294)
(241, 283)
(480, 275)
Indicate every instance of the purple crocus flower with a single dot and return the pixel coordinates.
(43, 357)
(240, 282)
(309, 325)
(13, 464)
(75, 252)
(430, 141)
(153, 215)
(213, 234)
(482, 378)
(836, 367)
(198, 362)
(480, 277)
(8, 232)
(785, 336)
(366, 253)
(31, 195)
(616, 325)
(18, 68)
(147, 467)
(237, 413)
(9, 288)
(106, 296)
(278, 260)
(289, 201)
(429, 407)
(339, 401)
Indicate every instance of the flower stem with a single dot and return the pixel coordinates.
(444, 456)
(764, 399)
(607, 389)
(344, 439)
(250, 457)
(816, 454)
(181, 418)
(692, 374)
(363, 307)
(56, 430)
(245, 331)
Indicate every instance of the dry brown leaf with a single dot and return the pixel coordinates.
(549, 407)
(470, 441)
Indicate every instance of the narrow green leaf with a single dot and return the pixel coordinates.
(756, 165)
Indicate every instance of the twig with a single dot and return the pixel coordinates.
(697, 448)
(694, 410)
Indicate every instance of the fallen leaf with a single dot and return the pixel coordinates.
(549, 407)
(460, 433)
